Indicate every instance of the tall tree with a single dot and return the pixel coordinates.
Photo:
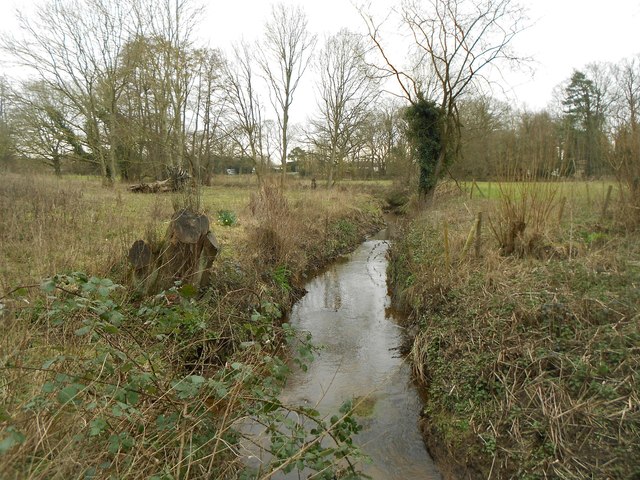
(286, 51)
(346, 88)
(626, 131)
(172, 23)
(383, 141)
(584, 124)
(47, 132)
(6, 139)
(627, 83)
(482, 120)
(246, 119)
(424, 133)
(456, 42)
(126, 70)
(208, 110)
(79, 59)
(539, 144)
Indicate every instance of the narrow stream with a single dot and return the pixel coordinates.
(347, 312)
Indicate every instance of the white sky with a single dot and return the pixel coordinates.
(565, 35)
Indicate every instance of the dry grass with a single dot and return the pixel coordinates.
(282, 228)
(96, 383)
(50, 225)
(530, 362)
(522, 215)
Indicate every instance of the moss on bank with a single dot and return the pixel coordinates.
(530, 367)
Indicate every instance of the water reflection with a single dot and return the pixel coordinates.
(346, 312)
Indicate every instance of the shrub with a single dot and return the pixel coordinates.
(116, 400)
(522, 215)
(276, 232)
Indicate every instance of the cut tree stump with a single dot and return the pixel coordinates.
(187, 253)
(140, 255)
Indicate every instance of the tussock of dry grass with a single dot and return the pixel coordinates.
(530, 362)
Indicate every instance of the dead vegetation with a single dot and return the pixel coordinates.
(522, 215)
(528, 353)
(97, 381)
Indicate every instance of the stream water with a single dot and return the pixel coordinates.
(347, 311)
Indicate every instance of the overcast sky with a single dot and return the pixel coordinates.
(565, 34)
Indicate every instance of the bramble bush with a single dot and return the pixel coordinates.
(104, 392)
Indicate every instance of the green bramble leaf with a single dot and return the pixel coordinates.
(12, 439)
(97, 426)
(48, 285)
(83, 330)
(69, 393)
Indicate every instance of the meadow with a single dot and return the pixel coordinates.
(52, 225)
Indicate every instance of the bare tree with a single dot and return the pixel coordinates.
(125, 68)
(626, 134)
(38, 114)
(384, 140)
(80, 60)
(246, 107)
(285, 56)
(626, 76)
(346, 88)
(7, 148)
(173, 21)
(457, 42)
(207, 109)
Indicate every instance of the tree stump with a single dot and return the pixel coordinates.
(186, 254)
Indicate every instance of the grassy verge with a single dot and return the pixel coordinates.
(529, 360)
(96, 382)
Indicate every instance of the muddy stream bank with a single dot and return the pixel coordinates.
(347, 311)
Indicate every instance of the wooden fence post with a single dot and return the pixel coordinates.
(606, 202)
(467, 243)
(563, 200)
(474, 233)
(478, 234)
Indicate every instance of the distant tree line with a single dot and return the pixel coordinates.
(589, 129)
(121, 89)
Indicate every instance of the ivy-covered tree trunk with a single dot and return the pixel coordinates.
(424, 132)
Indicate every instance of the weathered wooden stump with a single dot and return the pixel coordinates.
(186, 254)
